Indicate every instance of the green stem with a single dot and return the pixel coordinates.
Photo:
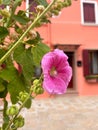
(11, 16)
(24, 34)
(22, 105)
(5, 107)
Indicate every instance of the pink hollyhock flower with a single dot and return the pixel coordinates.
(57, 72)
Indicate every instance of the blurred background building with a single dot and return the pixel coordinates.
(75, 31)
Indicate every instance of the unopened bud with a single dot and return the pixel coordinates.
(5, 13)
(23, 96)
(55, 12)
(35, 82)
(13, 110)
(18, 122)
(59, 5)
(40, 8)
(33, 34)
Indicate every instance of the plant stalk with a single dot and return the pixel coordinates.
(22, 105)
(25, 33)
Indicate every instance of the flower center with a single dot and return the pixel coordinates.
(53, 72)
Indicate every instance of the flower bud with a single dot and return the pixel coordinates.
(18, 122)
(55, 12)
(35, 82)
(33, 34)
(48, 14)
(40, 8)
(5, 13)
(23, 96)
(59, 5)
(13, 110)
(38, 89)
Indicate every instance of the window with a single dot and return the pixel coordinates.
(89, 12)
(90, 62)
(94, 62)
(30, 5)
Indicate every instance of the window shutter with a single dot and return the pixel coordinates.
(86, 64)
(89, 12)
(32, 4)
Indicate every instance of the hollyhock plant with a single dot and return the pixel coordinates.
(21, 51)
(57, 72)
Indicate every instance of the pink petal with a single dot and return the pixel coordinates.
(54, 85)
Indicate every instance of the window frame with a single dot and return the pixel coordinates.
(88, 64)
(96, 12)
(27, 6)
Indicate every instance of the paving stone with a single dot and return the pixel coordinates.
(62, 113)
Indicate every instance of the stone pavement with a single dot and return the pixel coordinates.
(62, 113)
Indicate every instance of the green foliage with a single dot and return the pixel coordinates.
(3, 88)
(38, 51)
(2, 52)
(28, 103)
(25, 58)
(21, 17)
(6, 2)
(3, 32)
(21, 51)
(42, 2)
(16, 82)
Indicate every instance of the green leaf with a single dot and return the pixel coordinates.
(3, 94)
(21, 17)
(6, 122)
(18, 29)
(3, 88)
(28, 103)
(16, 82)
(3, 32)
(35, 40)
(25, 58)
(6, 2)
(8, 74)
(43, 2)
(38, 51)
(18, 2)
(2, 52)
(15, 87)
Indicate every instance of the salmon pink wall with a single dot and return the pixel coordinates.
(67, 29)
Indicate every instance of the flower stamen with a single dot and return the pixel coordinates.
(53, 72)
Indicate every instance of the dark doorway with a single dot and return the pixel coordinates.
(70, 60)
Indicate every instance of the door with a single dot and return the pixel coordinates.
(70, 60)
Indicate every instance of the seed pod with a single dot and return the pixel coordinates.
(55, 12)
(23, 96)
(33, 34)
(35, 82)
(18, 122)
(59, 5)
(40, 8)
(13, 110)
